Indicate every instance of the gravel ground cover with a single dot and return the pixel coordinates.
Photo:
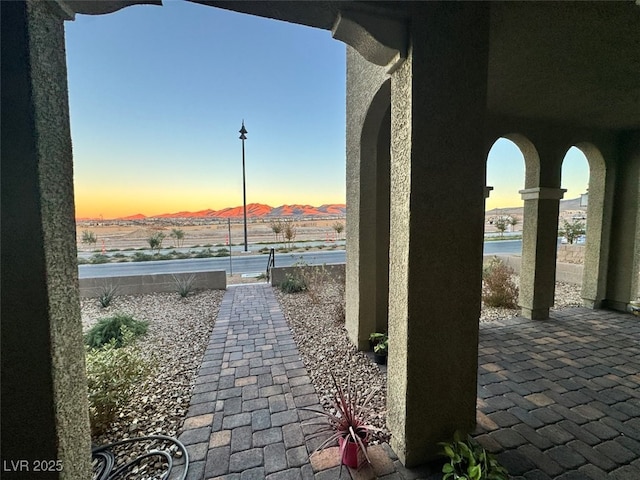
(179, 330)
(317, 322)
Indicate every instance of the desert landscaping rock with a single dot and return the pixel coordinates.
(179, 330)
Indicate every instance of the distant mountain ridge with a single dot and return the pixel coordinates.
(254, 210)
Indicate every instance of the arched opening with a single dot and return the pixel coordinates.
(504, 213)
(572, 218)
(503, 207)
(581, 220)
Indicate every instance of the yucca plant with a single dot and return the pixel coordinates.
(184, 284)
(469, 461)
(348, 422)
(107, 293)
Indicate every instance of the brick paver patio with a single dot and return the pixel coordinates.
(556, 399)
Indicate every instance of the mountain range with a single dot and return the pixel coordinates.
(254, 210)
(259, 210)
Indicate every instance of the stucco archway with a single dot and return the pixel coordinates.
(367, 286)
(597, 247)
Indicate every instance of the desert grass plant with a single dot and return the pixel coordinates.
(184, 284)
(316, 278)
(293, 284)
(112, 374)
(469, 461)
(348, 424)
(111, 328)
(106, 294)
(498, 288)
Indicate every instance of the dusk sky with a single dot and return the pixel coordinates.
(157, 96)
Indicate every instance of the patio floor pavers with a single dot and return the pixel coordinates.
(557, 399)
(560, 398)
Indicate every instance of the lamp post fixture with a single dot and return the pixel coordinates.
(243, 137)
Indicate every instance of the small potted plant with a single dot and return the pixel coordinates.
(379, 343)
(375, 338)
(469, 461)
(347, 425)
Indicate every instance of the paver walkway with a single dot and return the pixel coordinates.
(556, 399)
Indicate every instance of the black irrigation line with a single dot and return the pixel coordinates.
(107, 462)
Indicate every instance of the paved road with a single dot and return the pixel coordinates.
(246, 264)
(503, 246)
(240, 264)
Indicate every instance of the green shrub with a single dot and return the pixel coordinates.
(111, 328)
(98, 258)
(106, 294)
(184, 284)
(498, 288)
(293, 284)
(142, 257)
(206, 253)
(112, 374)
(222, 252)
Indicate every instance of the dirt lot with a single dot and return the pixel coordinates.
(122, 237)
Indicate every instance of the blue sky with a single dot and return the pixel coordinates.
(157, 96)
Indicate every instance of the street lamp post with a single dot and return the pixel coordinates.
(243, 137)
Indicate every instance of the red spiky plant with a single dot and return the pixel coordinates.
(348, 421)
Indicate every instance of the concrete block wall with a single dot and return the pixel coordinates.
(164, 282)
(565, 272)
(334, 271)
(571, 254)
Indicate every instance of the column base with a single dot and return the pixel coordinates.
(592, 304)
(534, 313)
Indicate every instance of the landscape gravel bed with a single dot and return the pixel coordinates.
(179, 330)
(317, 323)
(178, 333)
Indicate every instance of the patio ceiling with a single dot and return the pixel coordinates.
(564, 62)
(573, 62)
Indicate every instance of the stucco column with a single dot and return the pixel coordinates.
(539, 248)
(438, 102)
(624, 258)
(44, 396)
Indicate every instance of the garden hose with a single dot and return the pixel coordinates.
(106, 459)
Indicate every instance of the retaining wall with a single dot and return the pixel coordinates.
(161, 282)
(571, 253)
(334, 270)
(565, 272)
